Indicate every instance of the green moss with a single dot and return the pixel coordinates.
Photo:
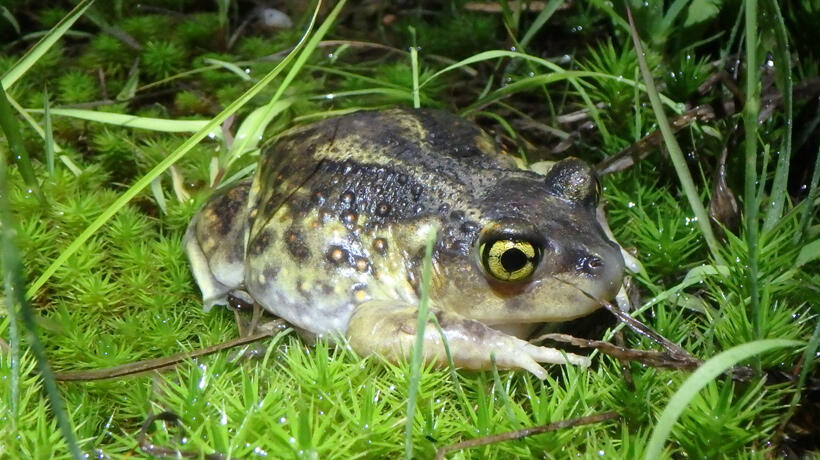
(128, 295)
(49, 17)
(116, 151)
(149, 27)
(161, 58)
(200, 30)
(686, 75)
(458, 36)
(109, 53)
(190, 102)
(255, 47)
(76, 86)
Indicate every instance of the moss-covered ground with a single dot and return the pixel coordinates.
(561, 82)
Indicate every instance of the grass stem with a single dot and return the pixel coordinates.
(750, 113)
(783, 73)
(675, 153)
(14, 288)
(418, 347)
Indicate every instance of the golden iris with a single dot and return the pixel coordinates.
(509, 259)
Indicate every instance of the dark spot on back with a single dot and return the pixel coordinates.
(303, 288)
(349, 218)
(454, 135)
(270, 272)
(261, 243)
(416, 190)
(380, 245)
(325, 288)
(348, 198)
(337, 255)
(318, 198)
(383, 209)
(361, 264)
(359, 292)
(296, 246)
(273, 203)
(227, 207)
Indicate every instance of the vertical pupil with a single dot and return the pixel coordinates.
(513, 259)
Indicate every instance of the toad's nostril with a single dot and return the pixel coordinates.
(592, 264)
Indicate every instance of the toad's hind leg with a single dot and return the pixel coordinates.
(388, 329)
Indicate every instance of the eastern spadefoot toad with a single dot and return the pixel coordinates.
(330, 236)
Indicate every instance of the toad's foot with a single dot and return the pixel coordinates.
(388, 329)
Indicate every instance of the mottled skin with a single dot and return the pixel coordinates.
(330, 236)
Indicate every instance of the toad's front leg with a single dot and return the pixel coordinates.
(389, 329)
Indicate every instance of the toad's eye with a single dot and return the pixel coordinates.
(509, 259)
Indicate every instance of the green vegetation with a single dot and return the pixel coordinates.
(107, 283)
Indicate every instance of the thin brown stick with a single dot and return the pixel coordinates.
(523, 433)
(159, 363)
(644, 330)
(675, 357)
(636, 152)
(652, 358)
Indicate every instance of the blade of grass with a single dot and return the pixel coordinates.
(414, 65)
(18, 150)
(539, 22)
(133, 121)
(311, 45)
(129, 89)
(751, 109)
(808, 206)
(672, 13)
(710, 370)
(14, 288)
(49, 140)
(30, 120)
(783, 74)
(7, 251)
(400, 94)
(229, 66)
(607, 7)
(250, 132)
(177, 76)
(418, 346)
(159, 196)
(808, 253)
(725, 51)
(129, 194)
(355, 76)
(70, 165)
(6, 14)
(809, 362)
(38, 50)
(675, 153)
(498, 54)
